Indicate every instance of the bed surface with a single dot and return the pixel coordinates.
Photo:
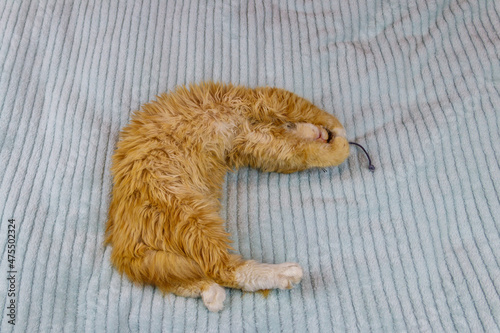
(414, 246)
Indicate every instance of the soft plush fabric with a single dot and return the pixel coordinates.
(414, 246)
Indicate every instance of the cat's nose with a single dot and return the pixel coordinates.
(322, 134)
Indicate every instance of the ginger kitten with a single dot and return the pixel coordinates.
(168, 169)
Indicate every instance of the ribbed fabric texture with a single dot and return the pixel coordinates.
(414, 246)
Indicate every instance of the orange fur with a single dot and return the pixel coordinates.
(170, 164)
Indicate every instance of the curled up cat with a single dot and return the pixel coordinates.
(168, 170)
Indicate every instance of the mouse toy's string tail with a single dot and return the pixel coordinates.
(370, 166)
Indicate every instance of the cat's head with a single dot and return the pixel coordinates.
(287, 133)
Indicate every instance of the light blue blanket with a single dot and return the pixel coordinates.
(414, 246)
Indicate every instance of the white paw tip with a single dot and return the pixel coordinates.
(290, 275)
(213, 297)
(340, 132)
